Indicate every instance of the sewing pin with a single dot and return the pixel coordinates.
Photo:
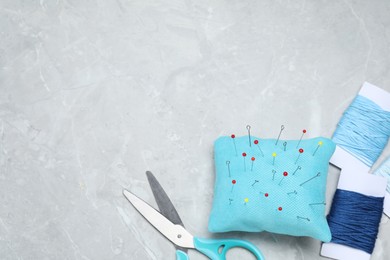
(285, 174)
(233, 136)
(273, 155)
(273, 176)
(300, 151)
(230, 201)
(244, 155)
(265, 194)
(284, 144)
(228, 166)
(295, 192)
(233, 183)
(280, 208)
(248, 127)
(320, 203)
(281, 129)
(298, 168)
(256, 142)
(315, 176)
(246, 201)
(298, 217)
(303, 133)
(256, 181)
(319, 144)
(252, 159)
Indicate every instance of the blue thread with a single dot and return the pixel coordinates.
(363, 130)
(354, 219)
(384, 171)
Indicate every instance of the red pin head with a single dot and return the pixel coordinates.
(304, 131)
(253, 158)
(233, 181)
(256, 141)
(301, 150)
(266, 194)
(244, 154)
(280, 208)
(233, 136)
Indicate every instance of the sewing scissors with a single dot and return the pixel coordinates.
(168, 222)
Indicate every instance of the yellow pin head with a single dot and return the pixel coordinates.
(273, 154)
(320, 143)
(246, 200)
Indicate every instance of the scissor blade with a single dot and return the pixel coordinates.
(177, 234)
(163, 202)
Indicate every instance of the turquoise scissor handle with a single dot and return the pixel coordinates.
(217, 248)
(180, 255)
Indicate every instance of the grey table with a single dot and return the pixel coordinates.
(94, 93)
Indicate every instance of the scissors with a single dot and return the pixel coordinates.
(168, 222)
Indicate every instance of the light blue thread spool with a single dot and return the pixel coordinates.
(363, 130)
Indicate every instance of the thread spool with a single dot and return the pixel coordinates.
(354, 219)
(358, 198)
(364, 129)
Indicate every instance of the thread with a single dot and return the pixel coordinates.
(363, 130)
(354, 219)
(384, 171)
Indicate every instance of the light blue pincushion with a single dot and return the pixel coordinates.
(281, 191)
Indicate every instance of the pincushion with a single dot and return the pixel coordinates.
(275, 186)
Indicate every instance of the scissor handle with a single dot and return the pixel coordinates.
(217, 248)
(180, 255)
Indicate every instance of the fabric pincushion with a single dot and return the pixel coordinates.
(278, 188)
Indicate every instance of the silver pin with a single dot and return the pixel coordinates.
(284, 144)
(248, 127)
(281, 129)
(303, 133)
(320, 203)
(233, 136)
(228, 165)
(273, 176)
(315, 176)
(295, 192)
(298, 168)
(256, 181)
(298, 217)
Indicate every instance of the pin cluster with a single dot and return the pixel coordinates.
(280, 178)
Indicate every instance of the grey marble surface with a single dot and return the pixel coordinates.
(94, 93)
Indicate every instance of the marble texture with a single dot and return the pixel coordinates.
(94, 93)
